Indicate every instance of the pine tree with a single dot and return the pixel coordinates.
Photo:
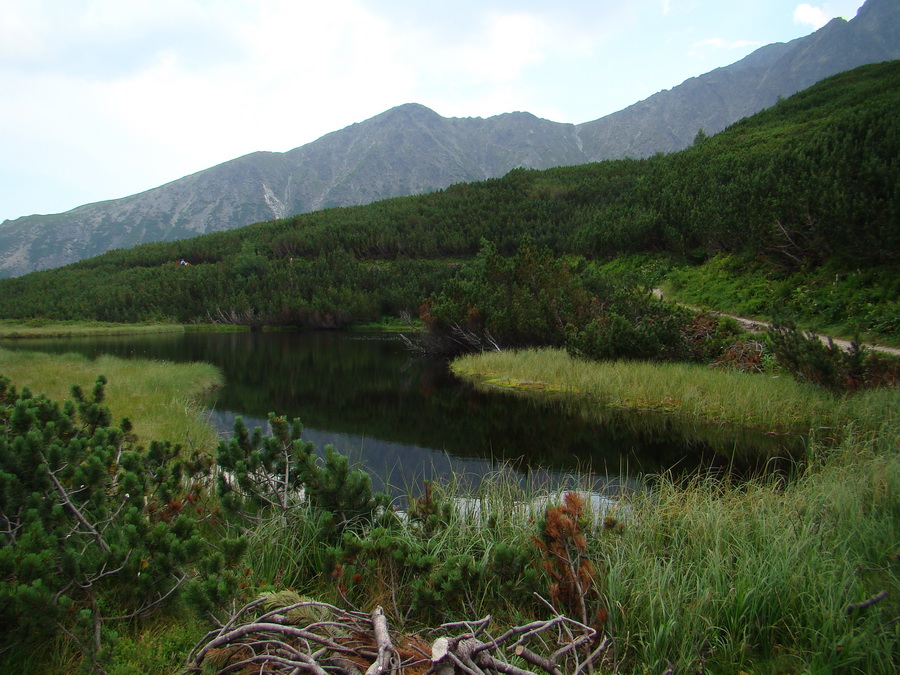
(92, 526)
(264, 475)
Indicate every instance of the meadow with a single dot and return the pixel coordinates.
(162, 399)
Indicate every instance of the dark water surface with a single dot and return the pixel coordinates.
(405, 419)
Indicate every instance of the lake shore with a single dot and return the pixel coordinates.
(162, 399)
(40, 328)
(689, 572)
(765, 402)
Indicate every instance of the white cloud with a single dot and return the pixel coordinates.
(807, 14)
(507, 44)
(20, 38)
(112, 102)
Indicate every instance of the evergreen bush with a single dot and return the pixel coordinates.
(827, 365)
(94, 527)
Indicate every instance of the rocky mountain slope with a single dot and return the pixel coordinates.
(411, 149)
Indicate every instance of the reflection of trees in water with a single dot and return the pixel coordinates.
(368, 389)
(400, 469)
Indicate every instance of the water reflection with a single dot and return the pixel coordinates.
(406, 419)
(400, 469)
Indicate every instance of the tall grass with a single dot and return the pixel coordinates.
(764, 572)
(756, 576)
(388, 565)
(14, 329)
(700, 573)
(162, 399)
(763, 401)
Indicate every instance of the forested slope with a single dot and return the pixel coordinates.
(812, 180)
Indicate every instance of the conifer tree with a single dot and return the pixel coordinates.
(263, 475)
(92, 529)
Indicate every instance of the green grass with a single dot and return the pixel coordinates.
(758, 577)
(754, 577)
(155, 645)
(830, 299)
(766, 402)
(14, 329)
(162, 399)
(40, 328)
(389, 324)
(749, 577)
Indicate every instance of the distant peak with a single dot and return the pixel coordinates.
(412, 109)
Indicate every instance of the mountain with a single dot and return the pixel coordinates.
(821, 164)
(670, 120)
(411, 150)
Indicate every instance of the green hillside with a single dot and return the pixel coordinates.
(810, 184)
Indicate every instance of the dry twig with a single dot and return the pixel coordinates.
(320, 638)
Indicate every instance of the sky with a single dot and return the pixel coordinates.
(102, 99)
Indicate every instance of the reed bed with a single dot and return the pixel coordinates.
(162, 399)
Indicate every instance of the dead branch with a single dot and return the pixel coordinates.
(320, 638)
(386, 652)
(74, 509)
(866, 603)
(537, 660)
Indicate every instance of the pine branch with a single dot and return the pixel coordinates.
(75, 511)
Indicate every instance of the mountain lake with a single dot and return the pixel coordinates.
(405, 419)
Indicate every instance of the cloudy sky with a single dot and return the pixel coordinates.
(106, 98)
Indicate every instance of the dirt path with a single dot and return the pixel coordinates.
(756, 326)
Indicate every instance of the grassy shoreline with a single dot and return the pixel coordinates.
(38, 328)
(162, 399)
(11, 329)
(764, 402)
(699, 573)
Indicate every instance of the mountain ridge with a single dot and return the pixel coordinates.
(411, 149)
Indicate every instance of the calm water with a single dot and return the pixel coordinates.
(405, 419)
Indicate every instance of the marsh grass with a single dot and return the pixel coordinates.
(387, 566)
(14, 329)
(763, 572)
(696, 573)
(772, 403)
(162, 399)
(40, 328)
